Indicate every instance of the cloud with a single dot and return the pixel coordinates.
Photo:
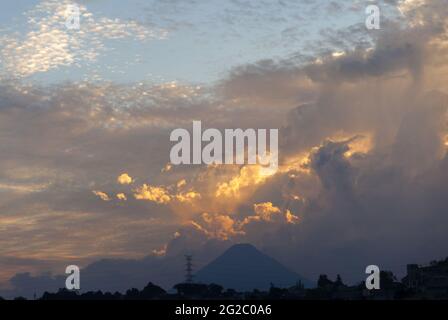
(187, 196)
(102, 195)
(216, 226)
(49, 44)
(167, 167)
(247, 177)
(181, 183)
(291, 218)
(152, 193)
(229, 227)
(266, 210)
(121, 196)
(25, 188)
(124, 178)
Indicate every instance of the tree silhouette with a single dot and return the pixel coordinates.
(151, 291)
(339, 282)
(324, 282)
(20, 298)
(215, 290)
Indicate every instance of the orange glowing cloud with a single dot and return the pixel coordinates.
(122, 196)
(266, 210)
(124, 179)
(102, 195)
(152, 193)
(248, 176)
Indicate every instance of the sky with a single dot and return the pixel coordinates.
(86, 115)
(188, 41)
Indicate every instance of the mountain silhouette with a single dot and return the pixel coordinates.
(243, 267)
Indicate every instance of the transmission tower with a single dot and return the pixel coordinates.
(188, 268)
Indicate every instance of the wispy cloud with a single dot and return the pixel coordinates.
(49, 44)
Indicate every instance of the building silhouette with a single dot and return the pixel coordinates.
(428, 282)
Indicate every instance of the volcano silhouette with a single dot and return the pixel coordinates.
(244, 268)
